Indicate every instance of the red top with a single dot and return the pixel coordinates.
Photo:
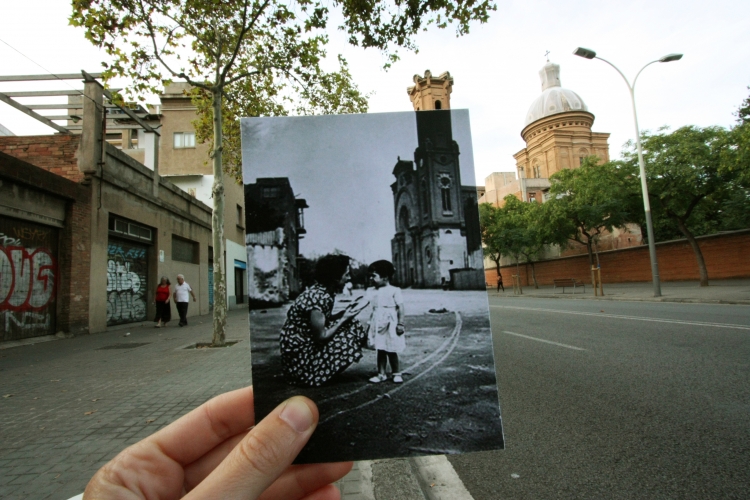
(162, 293)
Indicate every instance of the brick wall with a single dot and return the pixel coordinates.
(74, 262)
(54, 153)
(727, 256)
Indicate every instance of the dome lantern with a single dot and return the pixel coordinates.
(554, 99)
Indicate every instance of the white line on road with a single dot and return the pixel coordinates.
(545, 341)
(455, 336)
(635, 318)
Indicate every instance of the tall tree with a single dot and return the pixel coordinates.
(499, 235)
(274, 46)
(686, 178)
(534, 229)
(589, 200)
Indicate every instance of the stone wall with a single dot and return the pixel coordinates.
(727, 256)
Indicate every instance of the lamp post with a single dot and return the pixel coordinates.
(590, 54)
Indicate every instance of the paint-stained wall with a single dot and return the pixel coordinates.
(28, 274)
(127, 282)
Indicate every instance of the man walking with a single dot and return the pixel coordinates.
(181, 295)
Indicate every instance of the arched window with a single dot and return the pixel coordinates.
(445, 192)
(438, 105)
(582, 154)
(403, 219)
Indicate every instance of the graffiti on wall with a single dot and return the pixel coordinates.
(127, 287)
(28, 270)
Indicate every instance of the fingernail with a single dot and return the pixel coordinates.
(297, 414)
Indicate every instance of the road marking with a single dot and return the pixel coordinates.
(408, 369)
(455, 336)
(635, 318)
(546, 341)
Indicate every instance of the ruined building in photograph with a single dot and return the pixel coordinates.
(274, 224)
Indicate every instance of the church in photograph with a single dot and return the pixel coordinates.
(437, 241)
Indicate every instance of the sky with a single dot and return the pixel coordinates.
(495, 67)
(342, 166)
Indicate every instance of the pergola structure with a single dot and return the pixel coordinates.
(106, 119)
(129, 118)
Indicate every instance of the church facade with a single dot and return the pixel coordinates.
(437, 241)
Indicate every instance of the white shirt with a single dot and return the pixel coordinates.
(182, 292)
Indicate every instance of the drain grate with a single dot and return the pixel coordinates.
(131, 345)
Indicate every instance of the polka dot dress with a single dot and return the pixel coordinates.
(307, 362)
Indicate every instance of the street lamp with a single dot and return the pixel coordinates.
(590, 54)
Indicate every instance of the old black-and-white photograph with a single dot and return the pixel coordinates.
(366, 283)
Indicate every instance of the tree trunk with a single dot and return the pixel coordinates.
(533, 274)
(696, 249)
(217, 225)
(591, 252)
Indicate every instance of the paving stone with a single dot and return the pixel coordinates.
(130, 386)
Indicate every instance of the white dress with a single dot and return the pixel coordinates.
(381, 330)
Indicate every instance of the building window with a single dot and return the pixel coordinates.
(240, 221)
(184, 140)
(438, 105)
(131, 229)
(184, 250)
(403, 218)
(445, 192)
(532, 197)
(428, 254)
(271, 192)
(425, 198)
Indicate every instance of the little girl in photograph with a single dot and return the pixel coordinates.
(386, 326)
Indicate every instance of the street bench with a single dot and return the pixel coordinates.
(570, 283)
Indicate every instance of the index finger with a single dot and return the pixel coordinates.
(193, 435)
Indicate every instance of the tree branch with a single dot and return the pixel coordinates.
(157, 53)
(245, 28)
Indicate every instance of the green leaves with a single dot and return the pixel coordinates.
(518, 229)
(591, 199)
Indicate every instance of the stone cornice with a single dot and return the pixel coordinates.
(557, 122)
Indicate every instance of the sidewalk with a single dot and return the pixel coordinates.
(69, 406)
(718, 292)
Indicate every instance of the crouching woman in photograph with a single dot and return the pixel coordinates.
(315, 344)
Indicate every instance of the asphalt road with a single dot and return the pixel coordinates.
(618, 400)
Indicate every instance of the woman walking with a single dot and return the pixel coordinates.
(163, 307)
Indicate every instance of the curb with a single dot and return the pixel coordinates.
(438, 479)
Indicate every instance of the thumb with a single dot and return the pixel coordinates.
(260, 458)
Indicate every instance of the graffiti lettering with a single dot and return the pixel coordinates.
(27, 320)
(28, 233)
(119, 277)
(131, 253)
(7, 241)
(125, 306)
(126, 283)
(27, 279)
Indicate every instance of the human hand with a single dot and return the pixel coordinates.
(400, 329)
(210, 453)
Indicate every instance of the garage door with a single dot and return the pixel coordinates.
(28, 273)
(127, 282)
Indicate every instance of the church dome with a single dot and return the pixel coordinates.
(554, 98)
